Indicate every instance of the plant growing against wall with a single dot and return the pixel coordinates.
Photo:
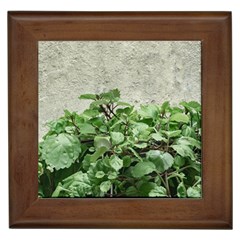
(114, 150)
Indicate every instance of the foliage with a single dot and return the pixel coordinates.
(114, 150)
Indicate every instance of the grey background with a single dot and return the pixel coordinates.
(144, 72)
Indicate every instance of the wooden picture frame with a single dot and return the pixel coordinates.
(213, 210)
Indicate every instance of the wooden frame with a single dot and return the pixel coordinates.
(214, 210)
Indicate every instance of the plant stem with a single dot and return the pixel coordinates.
(113, 113)
(167, 185)
(105, 112)
(111, 191)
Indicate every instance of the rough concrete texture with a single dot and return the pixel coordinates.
(144, 72)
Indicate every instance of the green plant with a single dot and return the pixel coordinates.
(114, 150)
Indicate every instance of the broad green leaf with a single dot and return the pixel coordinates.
(86, 161)
(88, 96)
(61, 151)
(158, 192)
(146, 187)
(149, 111)
(191, 105)
(103, 129)
(162, 160)
(76, 185)
(115, 162)
(132, 192)
(194, 192)
(67, 113)
(140, 145)
(89, 113)
(97, 103)
(179, 117)
(171, 134)
(86, 128)
(196, 165)
(184, 151)
(100, 174)
(70, 129)
(196, 105)
(57, 126)
(99, 152)
(112, 95)
(140, 127)
(123, 104)
(105, 186)
(181, 190)
(112, 175)
(127, 161)
(117, 137)
(165, 106)
(179, 161)
(189, 141)
(143, 168)
(158, 137)
(100, 141)
(188, 132)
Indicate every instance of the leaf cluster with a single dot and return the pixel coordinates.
(113, 149)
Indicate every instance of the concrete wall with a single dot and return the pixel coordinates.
(144, 72)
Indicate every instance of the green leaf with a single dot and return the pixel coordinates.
(127, 161)
(191, 105)
(132, 191)
(88, 96)
(181, 190)
(140, 145)
(149, 111)
(158, 192)
(86, 128)
(61, 151)
(117, 138)
(105, 186)
(100, 174)
(184, 151)
(76, 185)
(179, 117)
(115, 162)
(158, 137)
(165, 106)
(99, 152)
(89, 113)
(188, 132)
(196, 165)
(162, 160)
(179, 161)
(189, 141)
(112, 95)
(112, 175)
(171, 134)
(194, 192)
(123, 104)
(97, 103)
(146, 187)
(100, 141)
(142, 168)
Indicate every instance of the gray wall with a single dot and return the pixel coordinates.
(144, 72)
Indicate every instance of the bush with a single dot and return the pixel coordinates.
(114, 150)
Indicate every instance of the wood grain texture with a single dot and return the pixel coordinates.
(213, 211)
